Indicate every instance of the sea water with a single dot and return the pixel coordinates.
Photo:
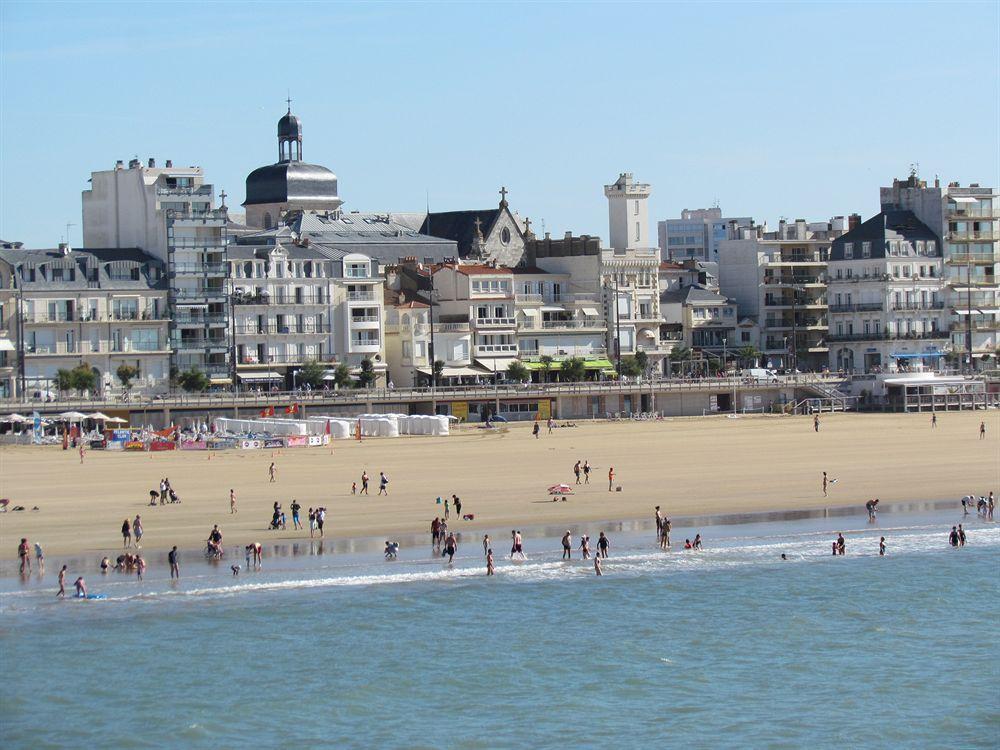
(727, 647)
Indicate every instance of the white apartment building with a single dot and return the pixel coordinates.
(407, 338)
(101, 308)
(169, 213)
(697, 233)
(294, 301)
(9, 369)
(779, 279)
(967, 223)
(886, 296)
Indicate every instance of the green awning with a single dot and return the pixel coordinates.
(598, 364)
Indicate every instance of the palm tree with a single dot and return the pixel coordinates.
(681, 354)
(546, 362)
(748, 356)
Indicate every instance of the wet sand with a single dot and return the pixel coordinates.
(689, 467)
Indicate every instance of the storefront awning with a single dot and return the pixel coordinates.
(916, 355)
(220, 381)
(457, 372)
(499, 364)
(590, 312)
(553, 308)
(598, 364)
(6, 345)
(260, 376)
(964, 199)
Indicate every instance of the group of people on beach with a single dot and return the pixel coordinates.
(985, 505)
(383, 484)
(165, 494)
(132, 532)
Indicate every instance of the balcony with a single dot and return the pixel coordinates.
(965, 259)
(916, 305)
(61, 348)
(199, 269)
(256, 329)
(494, 349)
(367, 295)
(978, 326)
(201, 293)
(883, 336)
(358, 319)
(182, 243)
(973, 236)
(241, 297)
(863, 307)
(953, 212)
(795, 280)
(457, 327)
(584, 352)
(200, 320)
(495, 322)
(563, 325)
(193, 190)
(252, 358)
(199, 343)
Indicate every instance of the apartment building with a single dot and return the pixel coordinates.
(886, 298)
(966, 221)
(407, 338)
(294, 301)
(779, 279)
(697, 233)
(168, 212)
(99, 307)
(9, 327)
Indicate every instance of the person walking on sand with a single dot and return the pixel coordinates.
(586, 472)
(982, 430)
(576, 470)
(81, 459)
(490, 569)
(175, 570)
(535, 430)
(567, 545)
(881, 547)
(62, 583)
(311, 517)
(383, 483)
(457, 502)
(137, 531)
(447, 509)
(272, 473)
(826, 481)
(435, 529)
(597, 565)
(548, 423)
(39, 557)
(933, 420)
(364, 482)
(320, 521)
(232, 501)
(611, 478)
(295, 507)
(603, 543)
(816, 423)
(126, 534)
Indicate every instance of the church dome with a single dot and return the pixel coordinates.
(296, 183)
(290, 126)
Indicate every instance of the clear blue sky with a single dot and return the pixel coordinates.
(797, 110)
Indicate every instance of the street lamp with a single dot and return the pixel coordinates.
(294, 375)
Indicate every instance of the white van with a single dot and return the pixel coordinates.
(760, 375)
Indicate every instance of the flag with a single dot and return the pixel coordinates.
(328, 427)
(291, 408)
(357, 430)
(263, 412)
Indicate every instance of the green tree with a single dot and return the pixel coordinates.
(342, 376)
(573, 369)
(546, 362)
(126, 374)
(517, 372)
(629, 367)
(64, 380)
(366, 378)
(193, 380)
(748, 356)
(312, 372)
(437, 370)
(83, 378)
(642, 359)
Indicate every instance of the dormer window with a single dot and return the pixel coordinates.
(848, 250)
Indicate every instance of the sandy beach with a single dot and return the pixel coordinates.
(687, 466)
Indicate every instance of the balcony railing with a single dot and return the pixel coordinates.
(365, 319)
(252, 358)
(367, 295)
(883, 336)
(496, 349)
(255, 329)
(264, 298)
(862, 307)
(364, 342)
(978, 326)
(533, 325)
(533, 355)
(794, 280)
(198, 190)
(916, 305)
(200, 293)
(459, 327)
(973, 236)
(198, 242)
(88, 347)
(207, 342)
(200, 320)
(199, 269)
(86, 317)
(495, 322)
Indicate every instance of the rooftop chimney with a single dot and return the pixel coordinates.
(170, 163)
(119, 164)
(64, 248)
(853, 222)
(152, 163)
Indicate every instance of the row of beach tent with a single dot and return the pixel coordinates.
(340, 428)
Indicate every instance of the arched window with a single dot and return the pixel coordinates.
(248, 269)
(267, 220)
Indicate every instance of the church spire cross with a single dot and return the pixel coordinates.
(479, 227)
(503, 195)
(288, 101)
(223, 195)
(527, 225)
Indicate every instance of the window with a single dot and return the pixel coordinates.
(145, 340)
(850, 273)
(727, 312)
(866, 249)
(357, 270)
(848, 250)
(745, 337)
(840, 273)
(637, 231)
(930, 247)
(635, 208)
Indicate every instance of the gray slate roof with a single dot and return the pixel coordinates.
(151, 271)
(890, 224)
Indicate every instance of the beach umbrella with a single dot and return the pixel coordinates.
(14, 419)
(72, 416)
(98, 415)
(115, 420)
(560, 489)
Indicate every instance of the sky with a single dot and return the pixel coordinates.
(795, 110)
